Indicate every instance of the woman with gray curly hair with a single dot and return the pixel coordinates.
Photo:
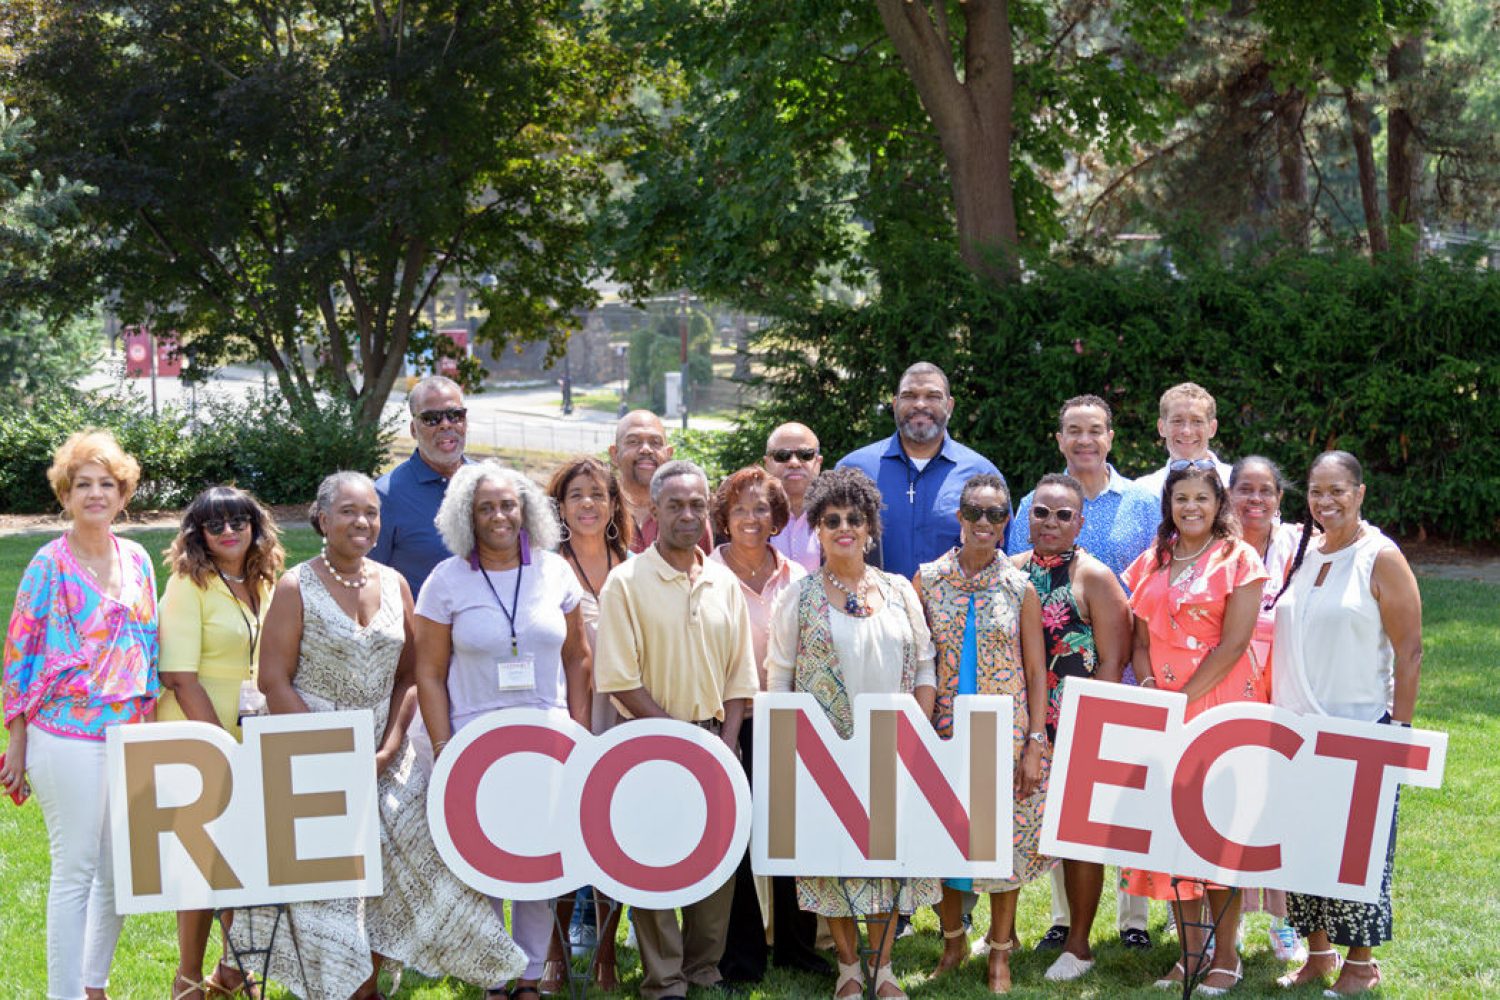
(498, 626)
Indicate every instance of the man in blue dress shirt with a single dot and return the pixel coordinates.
(411, 493)
(1119, 523)
(920, 471)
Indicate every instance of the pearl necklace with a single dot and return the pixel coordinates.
(354, 584)
(855, 603)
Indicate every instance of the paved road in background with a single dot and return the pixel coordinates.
(528, 419)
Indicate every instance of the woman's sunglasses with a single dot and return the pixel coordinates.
(219, 525)
(973, 512)
(833, 522)
(1040, 513)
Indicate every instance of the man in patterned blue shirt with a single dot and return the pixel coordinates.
(1119, 523)
(1119, 517)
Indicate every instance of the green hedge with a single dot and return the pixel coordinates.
(256, 443)
(1396, 362)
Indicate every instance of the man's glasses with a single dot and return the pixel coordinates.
(833, 522)
(1196, 464)
(219, 525)
(784, 455)
(973, 512)
(435, 418)
(1040, 513)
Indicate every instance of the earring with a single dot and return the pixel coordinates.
(869, 544)
(566, 534)
(612, 532)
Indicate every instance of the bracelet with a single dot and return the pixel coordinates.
(438, 747)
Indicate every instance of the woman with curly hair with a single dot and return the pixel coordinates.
(1196, 596)
(852, 629)
(225, 561)
(80, 657)
(498, 626)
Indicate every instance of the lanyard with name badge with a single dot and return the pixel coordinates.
(519, 672)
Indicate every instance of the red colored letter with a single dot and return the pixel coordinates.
(460, 803)
(1087, 769)
(1371, 757)
(599, 793)
(1187, 791)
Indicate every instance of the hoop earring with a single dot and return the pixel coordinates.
(612, 532)
(869, 544)
(566, 534)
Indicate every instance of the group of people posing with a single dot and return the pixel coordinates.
(451, 588)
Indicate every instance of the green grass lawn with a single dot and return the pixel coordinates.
(1447, 892)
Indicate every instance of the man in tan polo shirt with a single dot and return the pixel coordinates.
(674, 643)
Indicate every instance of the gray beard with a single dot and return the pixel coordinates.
(932, 432)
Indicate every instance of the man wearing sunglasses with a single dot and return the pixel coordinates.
(411, 493)
(1115, 523)
(793, 456)
(920, 470)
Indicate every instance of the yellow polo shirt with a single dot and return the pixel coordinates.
(688, 643)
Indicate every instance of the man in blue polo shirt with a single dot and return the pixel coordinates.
(411, 493)
(920, 471)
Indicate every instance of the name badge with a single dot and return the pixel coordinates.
(516, 673)
(252, 702)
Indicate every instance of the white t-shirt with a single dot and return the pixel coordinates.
(1155, 481)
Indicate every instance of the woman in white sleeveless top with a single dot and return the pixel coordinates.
(1348, 645)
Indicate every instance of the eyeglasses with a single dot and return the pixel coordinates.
(218, 525)
(1040, 513)
(973, 512)
(435, 418)
(833, 522)
(1196, 464)
(785, 454)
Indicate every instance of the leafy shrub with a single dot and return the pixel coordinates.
(257, 443)
(1396, 362)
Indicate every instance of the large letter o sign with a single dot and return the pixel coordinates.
(598, 798)
(569, 781)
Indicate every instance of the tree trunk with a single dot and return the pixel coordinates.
(1292, 202)
(972, 117)
(1369, 184)
(1403, 163)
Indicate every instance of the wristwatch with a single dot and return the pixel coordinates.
(1040, 738)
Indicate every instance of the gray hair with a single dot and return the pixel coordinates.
(329, 488)
(455, 518)
(673, 469)
(924, 368)
(430, 382)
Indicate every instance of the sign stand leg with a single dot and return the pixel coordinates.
(578, 982)
(1195, 962)
(242, 956)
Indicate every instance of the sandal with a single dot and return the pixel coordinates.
(1167, 983)
(554, 977)
(184, 988)
(1374, 980)
(1238, 973)
(884, 977)
(997, 982)
(849, 974)
(218, 985)
(947, 963)
(605, 976)
(1294, 979)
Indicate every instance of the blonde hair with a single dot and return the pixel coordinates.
(101, 448)
(1188, 392)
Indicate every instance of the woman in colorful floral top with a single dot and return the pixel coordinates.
(80, 656)
(1087, 624)
(987, 628)
(1196, 595)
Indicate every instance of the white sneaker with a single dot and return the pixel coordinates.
(1285, 943)
(1068, 967)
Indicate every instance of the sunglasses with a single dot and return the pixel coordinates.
(785, 454)
(973, 512)
(833, 522)
(435, 418)
(1196, 464)
(1040, 513)
(219, 525)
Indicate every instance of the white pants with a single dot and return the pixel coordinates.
(67, 777)
(1131, 914)
(531, 930)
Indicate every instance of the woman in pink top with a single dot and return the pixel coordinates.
(749, 508)
(1196, 594)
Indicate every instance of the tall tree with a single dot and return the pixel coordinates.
(292, 179)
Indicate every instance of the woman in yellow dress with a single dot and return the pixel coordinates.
(225, 560)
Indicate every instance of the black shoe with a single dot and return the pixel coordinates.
(1053, 939)
(1134, 937)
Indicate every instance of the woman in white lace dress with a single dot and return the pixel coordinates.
(338, 637)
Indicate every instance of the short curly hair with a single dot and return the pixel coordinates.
(455, 518)
(101, 448)
(846, 487)
(733, 485)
